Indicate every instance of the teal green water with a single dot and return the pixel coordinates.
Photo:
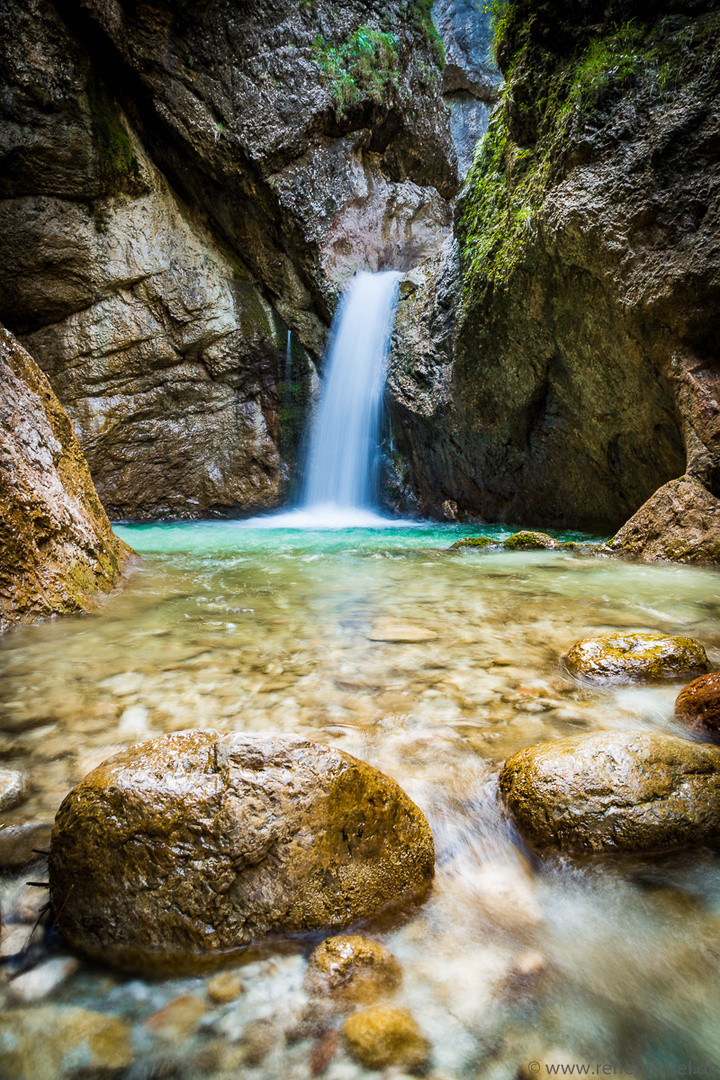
(229, 626)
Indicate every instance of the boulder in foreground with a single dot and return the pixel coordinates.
(56, 544)
(624, 657)
(615, 791)
(174, 854)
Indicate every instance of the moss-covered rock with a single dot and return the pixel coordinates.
(56, 545)
(544, 374)
(175, 853)
(698, 703)
(383, 1036)
(529, 541)
(352, 968)
(615, 791)
(473, 542)
(624, 657)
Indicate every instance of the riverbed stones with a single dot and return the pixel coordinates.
(398, 633)
(176, 852)
(384, 1035)
(615, 791)
(50, 1042)
(698, 703)
(626, 657)
(13, 788)
(352, 968)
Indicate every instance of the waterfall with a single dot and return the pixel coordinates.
(342, 458)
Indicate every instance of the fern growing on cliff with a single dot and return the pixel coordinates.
(365, 66)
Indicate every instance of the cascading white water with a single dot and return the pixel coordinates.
(343, 442)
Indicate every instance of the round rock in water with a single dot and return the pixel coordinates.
(175, 853)
(626, 657)
(354, 968)
(383, 1036)
(13, 788)
(698, 703)
(615, 791)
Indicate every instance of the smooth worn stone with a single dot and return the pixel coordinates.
(473, 542)
(224, 988)
(13, 788)
(40, 981)
(529, 541)
(383, 1035)
(174, 853)
(178, 1019)
(400, 633)
(51, 1042)
(615, 791)
(698, 703)
(354, 968)
(624, 657)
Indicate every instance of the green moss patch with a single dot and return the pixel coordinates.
(365, 66)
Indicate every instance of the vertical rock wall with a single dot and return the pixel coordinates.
(560, 364)
(56, 544)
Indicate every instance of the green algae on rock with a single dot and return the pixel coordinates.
(383, 1035)
(625, 657)
(56, 544)
(473, 542)
(615, 791)
(352, 968)
(529, 541)
(177, 853)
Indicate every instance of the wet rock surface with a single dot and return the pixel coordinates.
(529, 541)
(13, 789)
(680, 522)
(176, 852)
(353, 968)
(383, 1035)
(615, 791)
(625, 657)
(698, 703)
(56, 545)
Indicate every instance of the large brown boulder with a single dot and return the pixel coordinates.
(177, 852)
(625, 657)
(681, 521)
(621, 791)
(698, 703)
(56, 544)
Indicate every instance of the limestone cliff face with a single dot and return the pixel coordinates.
(180, 187)
(56, 544)
(560, 363)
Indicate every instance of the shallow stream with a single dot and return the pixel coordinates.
(511, 961)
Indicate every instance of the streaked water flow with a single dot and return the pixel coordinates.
(343, 443)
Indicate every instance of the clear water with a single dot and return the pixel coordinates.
(511, 960)
(343, 440)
